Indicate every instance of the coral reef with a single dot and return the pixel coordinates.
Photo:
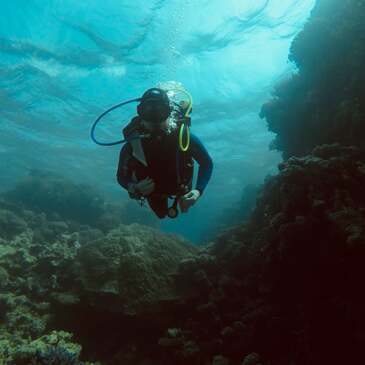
(136, 264)
(64, 201)
(322, 102)
(30, 270)
(52, 194)
(55, 277)
(282, 288)
(55, 348)
(285, 284)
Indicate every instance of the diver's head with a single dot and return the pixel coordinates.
(154, 107)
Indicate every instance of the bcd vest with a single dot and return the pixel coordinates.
(159, 157)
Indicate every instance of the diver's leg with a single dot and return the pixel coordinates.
(158, 204)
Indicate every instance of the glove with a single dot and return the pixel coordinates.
(188, 200)
(142, 188)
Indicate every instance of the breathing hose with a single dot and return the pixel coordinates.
(92, 132)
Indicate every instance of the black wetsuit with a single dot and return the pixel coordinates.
(167, 166)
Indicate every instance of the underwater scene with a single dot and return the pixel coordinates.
(182, 182)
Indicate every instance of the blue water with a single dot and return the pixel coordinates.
(62, 62)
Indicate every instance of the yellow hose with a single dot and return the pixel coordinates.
(187, 112)
(190, 102)
(182, 147)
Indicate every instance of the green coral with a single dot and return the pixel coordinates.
(28, 352)
(20, 317)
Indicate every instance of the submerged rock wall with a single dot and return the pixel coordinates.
(323, 102)
(284, 287)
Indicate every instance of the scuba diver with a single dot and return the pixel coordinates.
(157, 161)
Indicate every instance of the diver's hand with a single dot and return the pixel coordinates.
(144, 187)
(188, 200)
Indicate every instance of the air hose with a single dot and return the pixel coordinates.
(92, 132)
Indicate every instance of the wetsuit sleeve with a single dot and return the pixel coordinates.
(124, 173)
(201, 156)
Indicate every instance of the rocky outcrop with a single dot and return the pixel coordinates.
(53, 277)
(322, 102)
(282, 288)
(62, 200)
(285, 284)
(135, 265)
